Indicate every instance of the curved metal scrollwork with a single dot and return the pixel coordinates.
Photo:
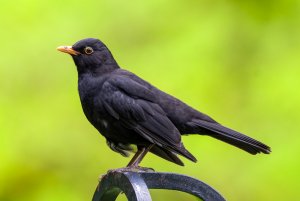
(136, 185)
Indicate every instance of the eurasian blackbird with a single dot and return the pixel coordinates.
(128, 111)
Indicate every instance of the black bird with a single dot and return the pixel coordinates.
(128, 111)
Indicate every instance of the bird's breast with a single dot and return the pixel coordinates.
(89, 89)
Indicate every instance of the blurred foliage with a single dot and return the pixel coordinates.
(237, 61)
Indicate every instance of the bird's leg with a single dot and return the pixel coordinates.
(133, 165)
(138, 157)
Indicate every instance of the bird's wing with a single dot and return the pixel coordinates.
(135, 106)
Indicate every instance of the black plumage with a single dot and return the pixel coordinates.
(127, 110)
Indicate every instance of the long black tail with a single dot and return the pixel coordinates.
(232, 137)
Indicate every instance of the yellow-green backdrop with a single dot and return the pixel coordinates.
(237, 61)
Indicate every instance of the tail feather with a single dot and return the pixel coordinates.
(184, 152)
(232, 137)
(168, 155)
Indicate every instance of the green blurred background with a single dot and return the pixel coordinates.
(237, 61)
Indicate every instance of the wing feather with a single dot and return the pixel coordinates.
(135, 106)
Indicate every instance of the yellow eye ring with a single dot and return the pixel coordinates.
(88, 50)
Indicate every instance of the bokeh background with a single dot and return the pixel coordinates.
(237, 61)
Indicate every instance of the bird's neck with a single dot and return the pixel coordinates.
(99, 70)
(106, 68)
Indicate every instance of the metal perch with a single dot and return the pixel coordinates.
(136, 185)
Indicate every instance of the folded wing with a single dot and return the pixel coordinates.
(135, 106)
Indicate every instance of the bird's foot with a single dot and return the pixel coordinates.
(140, 169)
(127, 169)
(131, 169)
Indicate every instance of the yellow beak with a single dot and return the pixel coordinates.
(67, 49)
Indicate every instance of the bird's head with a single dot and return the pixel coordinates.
(90, 55)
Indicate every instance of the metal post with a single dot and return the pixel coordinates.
(135, 185)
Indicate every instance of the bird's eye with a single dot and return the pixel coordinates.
(88, 50)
